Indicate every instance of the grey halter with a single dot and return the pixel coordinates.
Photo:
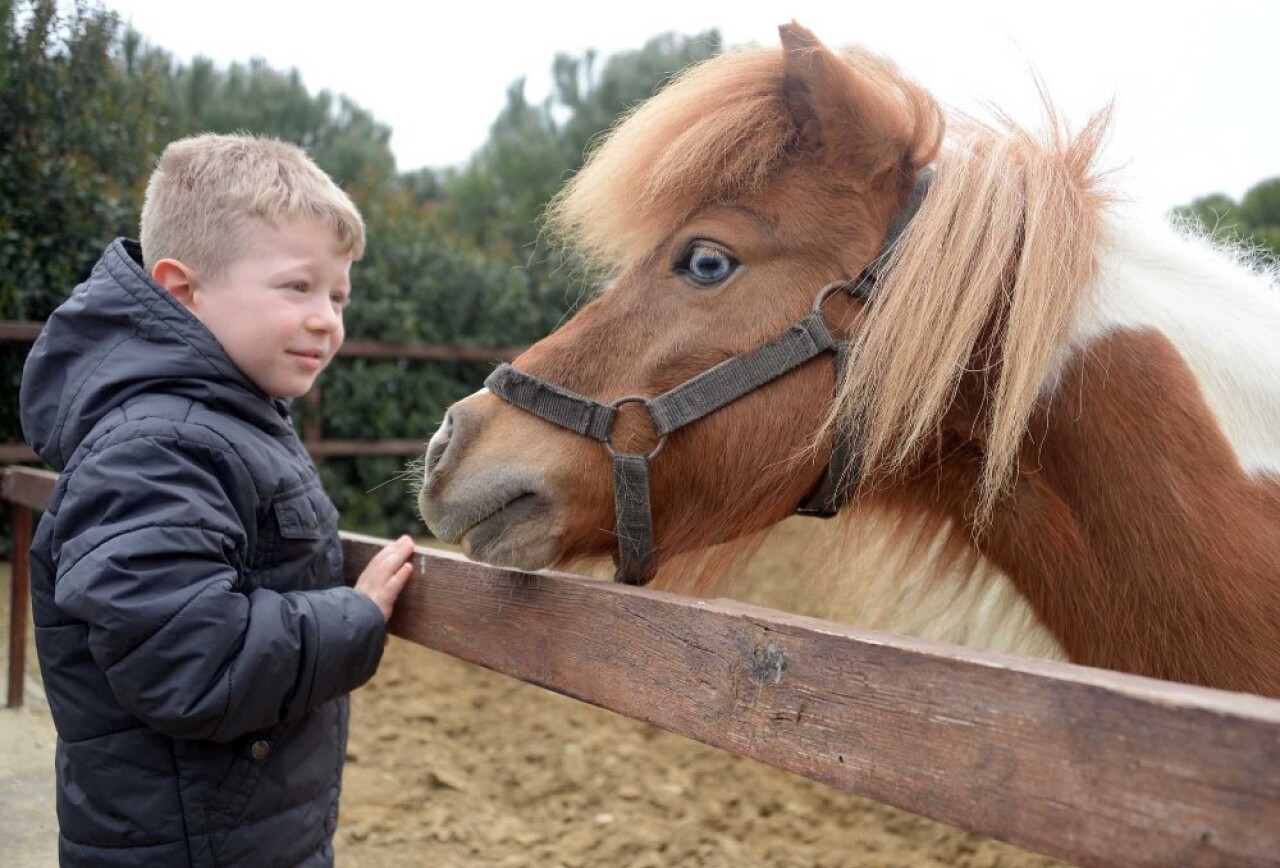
(699, 397)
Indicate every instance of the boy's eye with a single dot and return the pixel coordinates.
(340, 299)
(298, 286)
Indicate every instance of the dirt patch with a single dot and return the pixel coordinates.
(28, 821)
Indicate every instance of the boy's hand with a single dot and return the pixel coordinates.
(384, 577)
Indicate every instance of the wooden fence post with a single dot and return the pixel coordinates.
(19, 602)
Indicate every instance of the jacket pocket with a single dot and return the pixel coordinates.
(226, 809)
(301, 517)
(297, 542)
(229, 800)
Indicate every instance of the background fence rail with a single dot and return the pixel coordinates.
(1090, 766)
(16, 331)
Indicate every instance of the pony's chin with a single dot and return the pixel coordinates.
(519, 536)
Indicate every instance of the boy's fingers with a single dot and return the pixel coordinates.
(384, 565)
(385, 596)
(397, 581)
(400, 548)
(387, 552)
(397, 576)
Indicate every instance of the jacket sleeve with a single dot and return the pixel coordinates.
(153, 536)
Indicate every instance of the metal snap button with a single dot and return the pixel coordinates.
(259, 750)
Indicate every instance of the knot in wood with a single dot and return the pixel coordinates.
(768, 661)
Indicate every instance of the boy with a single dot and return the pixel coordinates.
(195, 637)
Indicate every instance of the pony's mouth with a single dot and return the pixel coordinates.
(503, 516)
(513, 535)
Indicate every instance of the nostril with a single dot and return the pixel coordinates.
(439, 443)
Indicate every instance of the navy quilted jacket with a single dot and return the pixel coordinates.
(194, 635)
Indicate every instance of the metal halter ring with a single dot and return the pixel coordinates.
(633, 399)
(859, 287)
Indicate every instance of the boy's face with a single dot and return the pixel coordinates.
(277, 308)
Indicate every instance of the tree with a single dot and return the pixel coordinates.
(76, 123)
(75, 145)
(342, 137)
(497, 200)
(1255, 219)
(596, 102)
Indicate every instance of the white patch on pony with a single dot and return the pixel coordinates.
(1217, 307)
(847, 570)
(602, 568)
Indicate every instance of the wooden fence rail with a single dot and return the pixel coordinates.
(1090, 766)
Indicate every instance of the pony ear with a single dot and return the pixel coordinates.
(840, 114)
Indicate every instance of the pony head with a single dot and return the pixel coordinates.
(717, 210)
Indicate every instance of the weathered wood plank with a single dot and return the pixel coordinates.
(428, 352)
(27, 331)
(317, 448)
(334, 448)
(20, 331)
(27, 486)
(16, 452)
(1095, 767)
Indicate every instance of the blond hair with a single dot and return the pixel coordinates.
(208, 190)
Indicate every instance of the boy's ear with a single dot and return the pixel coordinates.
(178, 279)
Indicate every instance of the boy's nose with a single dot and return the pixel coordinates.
(323, 318)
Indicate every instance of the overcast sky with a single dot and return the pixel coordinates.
(1195, 84)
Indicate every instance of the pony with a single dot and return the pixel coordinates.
(1048, 419)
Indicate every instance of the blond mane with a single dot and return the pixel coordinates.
(986, 279)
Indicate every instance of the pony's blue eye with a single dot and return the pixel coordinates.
(706, 264)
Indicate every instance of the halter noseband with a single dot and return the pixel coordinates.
(699, 397)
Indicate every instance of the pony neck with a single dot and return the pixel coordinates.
(1145, 521)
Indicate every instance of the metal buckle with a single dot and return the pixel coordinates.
(634, 399)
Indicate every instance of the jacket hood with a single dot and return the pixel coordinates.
(120, 335)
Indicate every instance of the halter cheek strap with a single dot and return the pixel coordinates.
(698, 397)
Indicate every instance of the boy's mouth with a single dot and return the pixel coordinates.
(312, 359)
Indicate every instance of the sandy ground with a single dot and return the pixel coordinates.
(28, 828)
(453, 765)
(28, 825)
